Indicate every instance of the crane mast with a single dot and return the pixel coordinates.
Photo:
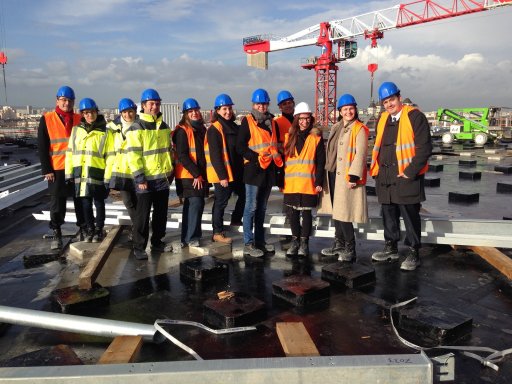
(337, 40)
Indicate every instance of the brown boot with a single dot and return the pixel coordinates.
(221, 238)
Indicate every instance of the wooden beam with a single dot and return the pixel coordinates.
(98, 260)
(122, 350)
(496, 258)
(295, 340)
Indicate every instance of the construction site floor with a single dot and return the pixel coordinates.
(354, 321)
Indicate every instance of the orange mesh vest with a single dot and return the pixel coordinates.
(264, 144)
(181, 172)
(283, 125)
(405, 148)
(210, 171)
(299, 170)
(351, 150)
(59, 137)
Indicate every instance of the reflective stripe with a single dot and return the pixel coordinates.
(55, 153)
(155, 151)
(299, 174)
(299, 161)
(62, 140)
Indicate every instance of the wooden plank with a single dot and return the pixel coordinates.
(496, 258)
(122, 350)
(295, 340)
(98, 260)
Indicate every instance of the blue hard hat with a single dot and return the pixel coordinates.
(67, 92)
(190, 104)
(346, 99)
(87, 103)
(387, 89)
(260, 96)
(126, 103)
(223, 99)
(149, 94)
(283, 96)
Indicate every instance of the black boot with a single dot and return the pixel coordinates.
(294, 247)
(98, 235)
(336, 248)
(57, 239)
(390, 252)
(349, 252)
(82, 232)
(412, 261)
(303, 247)
(89, 235)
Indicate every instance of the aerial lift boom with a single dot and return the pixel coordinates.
(342, 33)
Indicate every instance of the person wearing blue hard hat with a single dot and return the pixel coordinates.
(257, 142)
(52, 140)
(148, 145)
(118, 175)
(344, 195)
(399, 162)
(90, 150)
(224, 166)
(286, 104)
(191, 181)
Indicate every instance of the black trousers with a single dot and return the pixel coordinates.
(58, 211)
(90, 221)
(238, 188)
(159, 200)
(411, 214)
(299, 230)
(130, 202)
(343, 230)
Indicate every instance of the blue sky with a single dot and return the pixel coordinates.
(193, 48)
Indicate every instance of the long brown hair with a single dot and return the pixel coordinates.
(289, 148)
(186, 121)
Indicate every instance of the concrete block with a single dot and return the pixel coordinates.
(435, 167)
(302, 291)
(493, 151)
(434, 323)
(211, 249)
(463, 197)
(495, 158)
(351, 275)
(72, 299)
(82, 251)
(31, 260)
(467, 154)
(432, 181)
(203, 269)
(467, 163)
(237, 311)
(505, 169)
(468, 175)
(503, 188)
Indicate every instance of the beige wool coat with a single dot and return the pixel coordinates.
(349, 205)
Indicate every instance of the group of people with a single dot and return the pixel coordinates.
(140, 155)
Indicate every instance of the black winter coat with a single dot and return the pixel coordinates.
(398, 190)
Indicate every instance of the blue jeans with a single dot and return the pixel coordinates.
(256, 199)
(193, 208)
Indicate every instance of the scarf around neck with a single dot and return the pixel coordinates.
(66, 116)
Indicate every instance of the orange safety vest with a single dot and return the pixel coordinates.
(181, 172)
(351, 150)
(264, 144)
(405, 148)
(283, 125)
(300, 169)
(210, 171)
(59, 137)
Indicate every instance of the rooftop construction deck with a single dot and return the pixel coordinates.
(347, 310)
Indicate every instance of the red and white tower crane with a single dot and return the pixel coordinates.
(341, 33)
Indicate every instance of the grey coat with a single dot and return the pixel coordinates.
(348, 205)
